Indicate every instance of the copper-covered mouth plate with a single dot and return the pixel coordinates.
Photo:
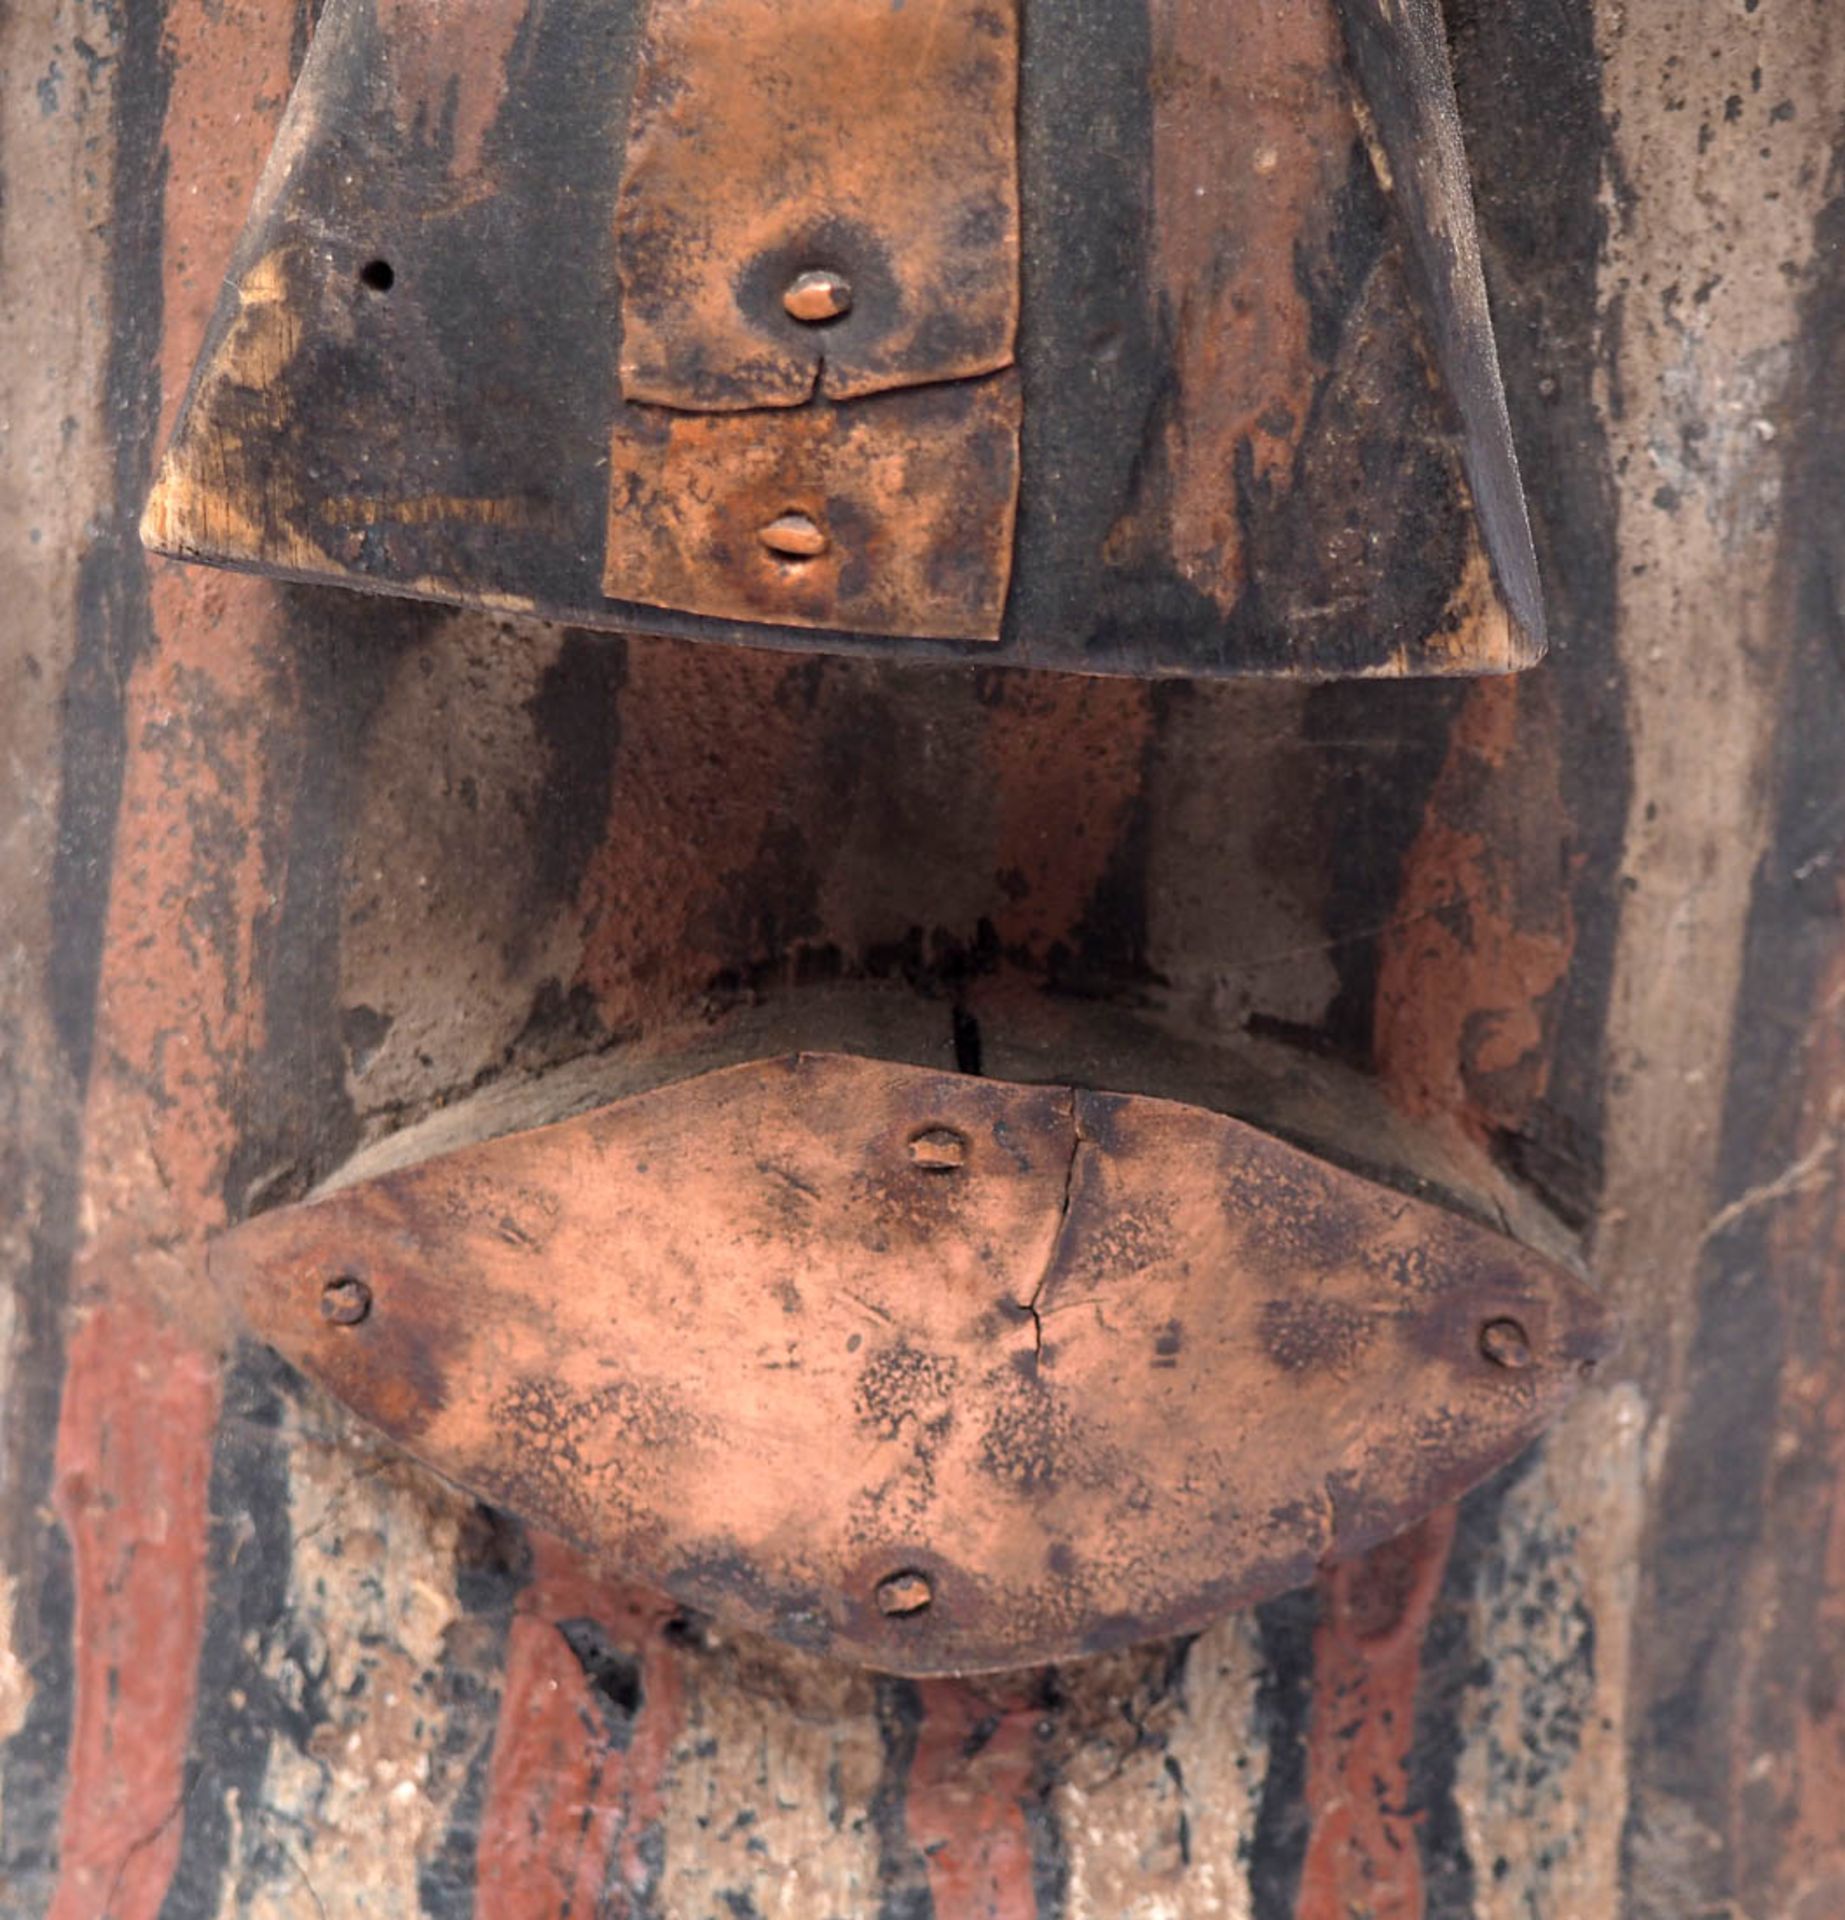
(934, 1373)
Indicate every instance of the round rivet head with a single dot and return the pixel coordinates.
(1506, 1344)
(939, 1150)
(345, 1302)
(904, 1594)
(818, 295)
(795, 536)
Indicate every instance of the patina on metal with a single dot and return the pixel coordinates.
(820, 204)
(892, 514)
(780, 151)
(932, 1372)
(1156, 334)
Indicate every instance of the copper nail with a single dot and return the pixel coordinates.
(345, 1302)
(818, 295)
(1506, 1344)
(905, 1593)
(939, 1149)
(795, 536)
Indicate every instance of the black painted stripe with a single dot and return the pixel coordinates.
(1528, 75)
(296, 1122)
(903, 1875)
(240, 1708)
(1450, 1672)
(1284, 1707)
(1715, 1682)
(493, 1567)
(1050, 1852)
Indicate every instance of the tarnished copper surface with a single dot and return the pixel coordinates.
(936, 1372)
(794, 228)
(771, 140)
(893, 515)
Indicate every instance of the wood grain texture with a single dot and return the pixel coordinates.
(1263, 431)
(57, 472)
(1596, 929)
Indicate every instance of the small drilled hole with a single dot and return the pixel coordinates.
(379, 275)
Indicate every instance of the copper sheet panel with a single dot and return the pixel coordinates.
(935, 1372)
(913, 495)
(773, 138)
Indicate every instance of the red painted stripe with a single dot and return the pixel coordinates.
(1483, 931)
(974, 1769)
(1362, 1852)
(688, 824)
(177, 1013)
(568, 1809)
(134, 1444)
(1065, 764)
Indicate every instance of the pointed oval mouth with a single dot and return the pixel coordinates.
(932, 1372)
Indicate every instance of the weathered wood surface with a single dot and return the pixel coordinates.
(1256, 424)
(282, 867)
